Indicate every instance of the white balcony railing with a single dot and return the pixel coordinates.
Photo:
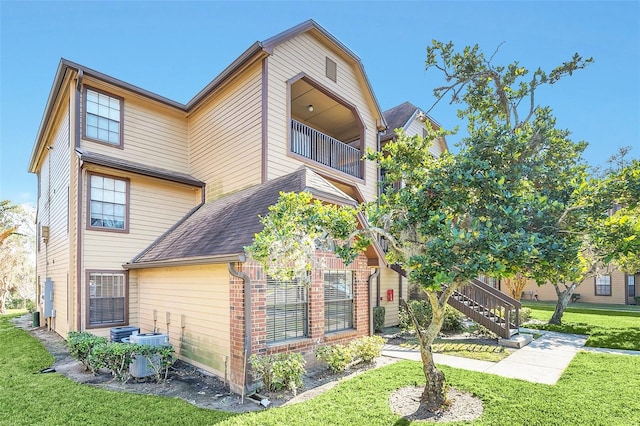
(324, 149)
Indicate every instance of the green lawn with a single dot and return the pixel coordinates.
(605, 326)
(596, 389)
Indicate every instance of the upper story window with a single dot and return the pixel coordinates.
(603, 285)
(108, 203)
(103, 117)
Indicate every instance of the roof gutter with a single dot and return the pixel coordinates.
(200, 260)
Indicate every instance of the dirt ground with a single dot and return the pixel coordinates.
(206, 391)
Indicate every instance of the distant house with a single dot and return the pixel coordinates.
(145, 204)
(615, 288)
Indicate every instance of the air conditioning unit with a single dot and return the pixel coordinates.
(141, 367)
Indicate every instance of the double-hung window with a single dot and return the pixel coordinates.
(103, 117)
(108, 203)
(287, 310)
(603, 285)
(107, 298)
(338, 300)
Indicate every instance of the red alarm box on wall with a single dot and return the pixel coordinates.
(390, 295)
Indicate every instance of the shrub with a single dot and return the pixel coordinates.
(452, 320)
(284, 370)
(337, 357)
(289, 369)
(367, 348)
(117, 357)
(525, 314)
(421, 310)
(81, 344)
(262, 369)
(378, 319)
(160, 358)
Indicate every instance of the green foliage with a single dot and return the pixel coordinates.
(337, 357)
(525, 314)
(378, 318)
(296, 227)
(81, 345)
(284, 370)
(422, 311)
(366, 348)
(95, 353)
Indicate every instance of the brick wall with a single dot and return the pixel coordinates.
(317, 336)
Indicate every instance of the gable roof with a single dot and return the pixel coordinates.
(219, 230)
(398, 117)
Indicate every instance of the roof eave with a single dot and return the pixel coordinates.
(191, 261)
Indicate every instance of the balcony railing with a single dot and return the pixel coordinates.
(324, 149)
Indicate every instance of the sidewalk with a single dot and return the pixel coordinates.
(542, 361)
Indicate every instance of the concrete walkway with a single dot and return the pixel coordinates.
(542, 361)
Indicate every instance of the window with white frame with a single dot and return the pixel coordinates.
(603, 285)
(107, 298)
(287, 310)
(108, 203)
(338, 300)
(103, 118)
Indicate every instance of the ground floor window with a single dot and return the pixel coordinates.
(603, 285)
(631, 286)
(107, 298)
(338, 300)
(287, 310)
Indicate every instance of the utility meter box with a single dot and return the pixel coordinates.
(47, 309)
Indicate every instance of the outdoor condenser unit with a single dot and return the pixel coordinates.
(140, 367)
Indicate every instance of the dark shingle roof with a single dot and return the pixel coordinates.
(397, 117)
(225, 226)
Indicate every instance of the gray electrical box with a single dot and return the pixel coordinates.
(48, 298)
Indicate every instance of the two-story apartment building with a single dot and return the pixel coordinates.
(145, 204)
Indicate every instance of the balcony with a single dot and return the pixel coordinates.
(316, 146)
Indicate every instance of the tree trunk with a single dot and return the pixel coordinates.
(434, 395)
(563, 301)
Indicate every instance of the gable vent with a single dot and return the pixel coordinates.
(331, 69)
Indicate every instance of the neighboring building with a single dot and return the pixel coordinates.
(391, 286)
(145, 204)
(615, 288)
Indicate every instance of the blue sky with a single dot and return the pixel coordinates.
(175, 48)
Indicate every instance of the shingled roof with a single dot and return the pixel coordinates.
(219, 230)
(397, 118)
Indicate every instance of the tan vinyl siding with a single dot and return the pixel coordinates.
(154, 207)
(53, 211)
(586, 290)
(225, 136)
(153, 134)
(416, 127)
(305, 53)
(389, 280)
(204, 301)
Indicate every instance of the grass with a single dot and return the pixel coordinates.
(605, 326)
(596, 389)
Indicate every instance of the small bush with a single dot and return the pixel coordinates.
(117, 357)
(525, 314)
(160, 358)
(378, 319)
(81, 344)
(367, 348)
(421, 310)
(337, 357)
(289, 369)
(452, 320)
(279, 371)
